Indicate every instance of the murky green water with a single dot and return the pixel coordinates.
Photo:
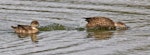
(61, 26)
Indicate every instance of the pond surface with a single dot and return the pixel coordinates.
(65, 39)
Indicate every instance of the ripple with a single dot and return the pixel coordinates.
(63, 32)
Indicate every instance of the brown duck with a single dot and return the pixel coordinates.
(32, 28)
(103, 22)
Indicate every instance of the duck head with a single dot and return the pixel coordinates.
(121, 25)
(34, 23)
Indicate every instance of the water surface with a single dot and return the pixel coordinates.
(65, 39)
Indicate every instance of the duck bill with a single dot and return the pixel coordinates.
(127, 27)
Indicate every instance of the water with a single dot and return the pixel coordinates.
(65, 39)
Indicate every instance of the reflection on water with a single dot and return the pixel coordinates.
(100, 35)
(33, 36)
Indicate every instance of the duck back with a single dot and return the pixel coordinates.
(99, 22)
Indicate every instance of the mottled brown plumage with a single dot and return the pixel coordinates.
(32, 28)
(103, 22)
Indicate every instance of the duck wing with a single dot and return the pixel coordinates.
(25, 27)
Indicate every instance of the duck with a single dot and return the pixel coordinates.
(100, 22)
(27, 29)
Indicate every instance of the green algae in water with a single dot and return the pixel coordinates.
(56, 26)
(80, 29)
(51, 27)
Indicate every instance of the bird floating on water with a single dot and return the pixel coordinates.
(27, 29)
(104, 23)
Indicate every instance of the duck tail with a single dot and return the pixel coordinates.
(87, 19)
(13, 27)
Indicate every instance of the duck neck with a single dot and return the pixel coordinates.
(35, 28)
(115, 24)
